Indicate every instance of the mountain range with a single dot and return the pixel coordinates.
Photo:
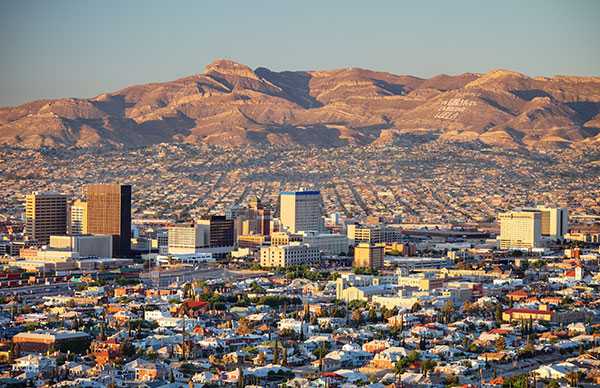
(230, 104)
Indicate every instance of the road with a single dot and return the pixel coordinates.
(37, 290)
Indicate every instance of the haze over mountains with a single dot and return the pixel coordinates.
(230, 104)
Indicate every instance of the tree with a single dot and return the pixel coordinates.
(372, 315)
(448, 310)
(356, 316)
(284, 360)
(553, 384)
(416, 307)
(427, 366)
(498, 314)
(500, 344)
(276, 353)
(321, 355)
(399, 368)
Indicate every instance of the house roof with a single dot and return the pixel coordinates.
(527, 311)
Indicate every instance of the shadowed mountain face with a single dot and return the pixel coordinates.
(230, 104)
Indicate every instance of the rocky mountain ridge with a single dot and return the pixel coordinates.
(230, 104)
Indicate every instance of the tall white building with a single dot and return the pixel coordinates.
(301, 211)
(555, 221)
(187, 239)
(78, 218)
(520, 229)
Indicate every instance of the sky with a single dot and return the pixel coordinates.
(82, 48)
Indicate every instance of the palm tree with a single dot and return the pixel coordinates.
(398, 370)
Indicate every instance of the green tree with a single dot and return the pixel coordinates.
(373, 315)
(447, 311)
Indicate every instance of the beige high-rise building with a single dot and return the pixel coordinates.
(45, 215)
(301, 211)
(369, 256)
(554, 222)
(78, 218)
(520, 230)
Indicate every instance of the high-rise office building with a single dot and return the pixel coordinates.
(554, 222)
(253, 219)
(301, 211)
(220, 231)
(109, 212)
(45, 215)
(259, 217)
(369, 256)
(78, 218)
(520, 229)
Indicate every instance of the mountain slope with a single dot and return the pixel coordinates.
(232, 105)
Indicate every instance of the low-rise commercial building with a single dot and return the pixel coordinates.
(289, 255)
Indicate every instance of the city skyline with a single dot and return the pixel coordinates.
(296, 194)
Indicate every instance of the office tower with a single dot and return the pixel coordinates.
(555, 221)
(162, 241)
(301, 211)
(368, 256)
(259, 217)
(520, 229)
(253, 219)
(186, 239)
(109, 212)
(78, 218)
(45, 215)
(220, 231)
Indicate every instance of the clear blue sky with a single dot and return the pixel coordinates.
(81, 48)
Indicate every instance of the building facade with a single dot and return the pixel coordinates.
(368, 256)
(85, 246)
(301, 211)
(220, 231)
(554, 221)
(329, 244)
(186, 239)
(289, 255)
(109, 212)
(78, 218)
(45, 215)
(520, 230)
